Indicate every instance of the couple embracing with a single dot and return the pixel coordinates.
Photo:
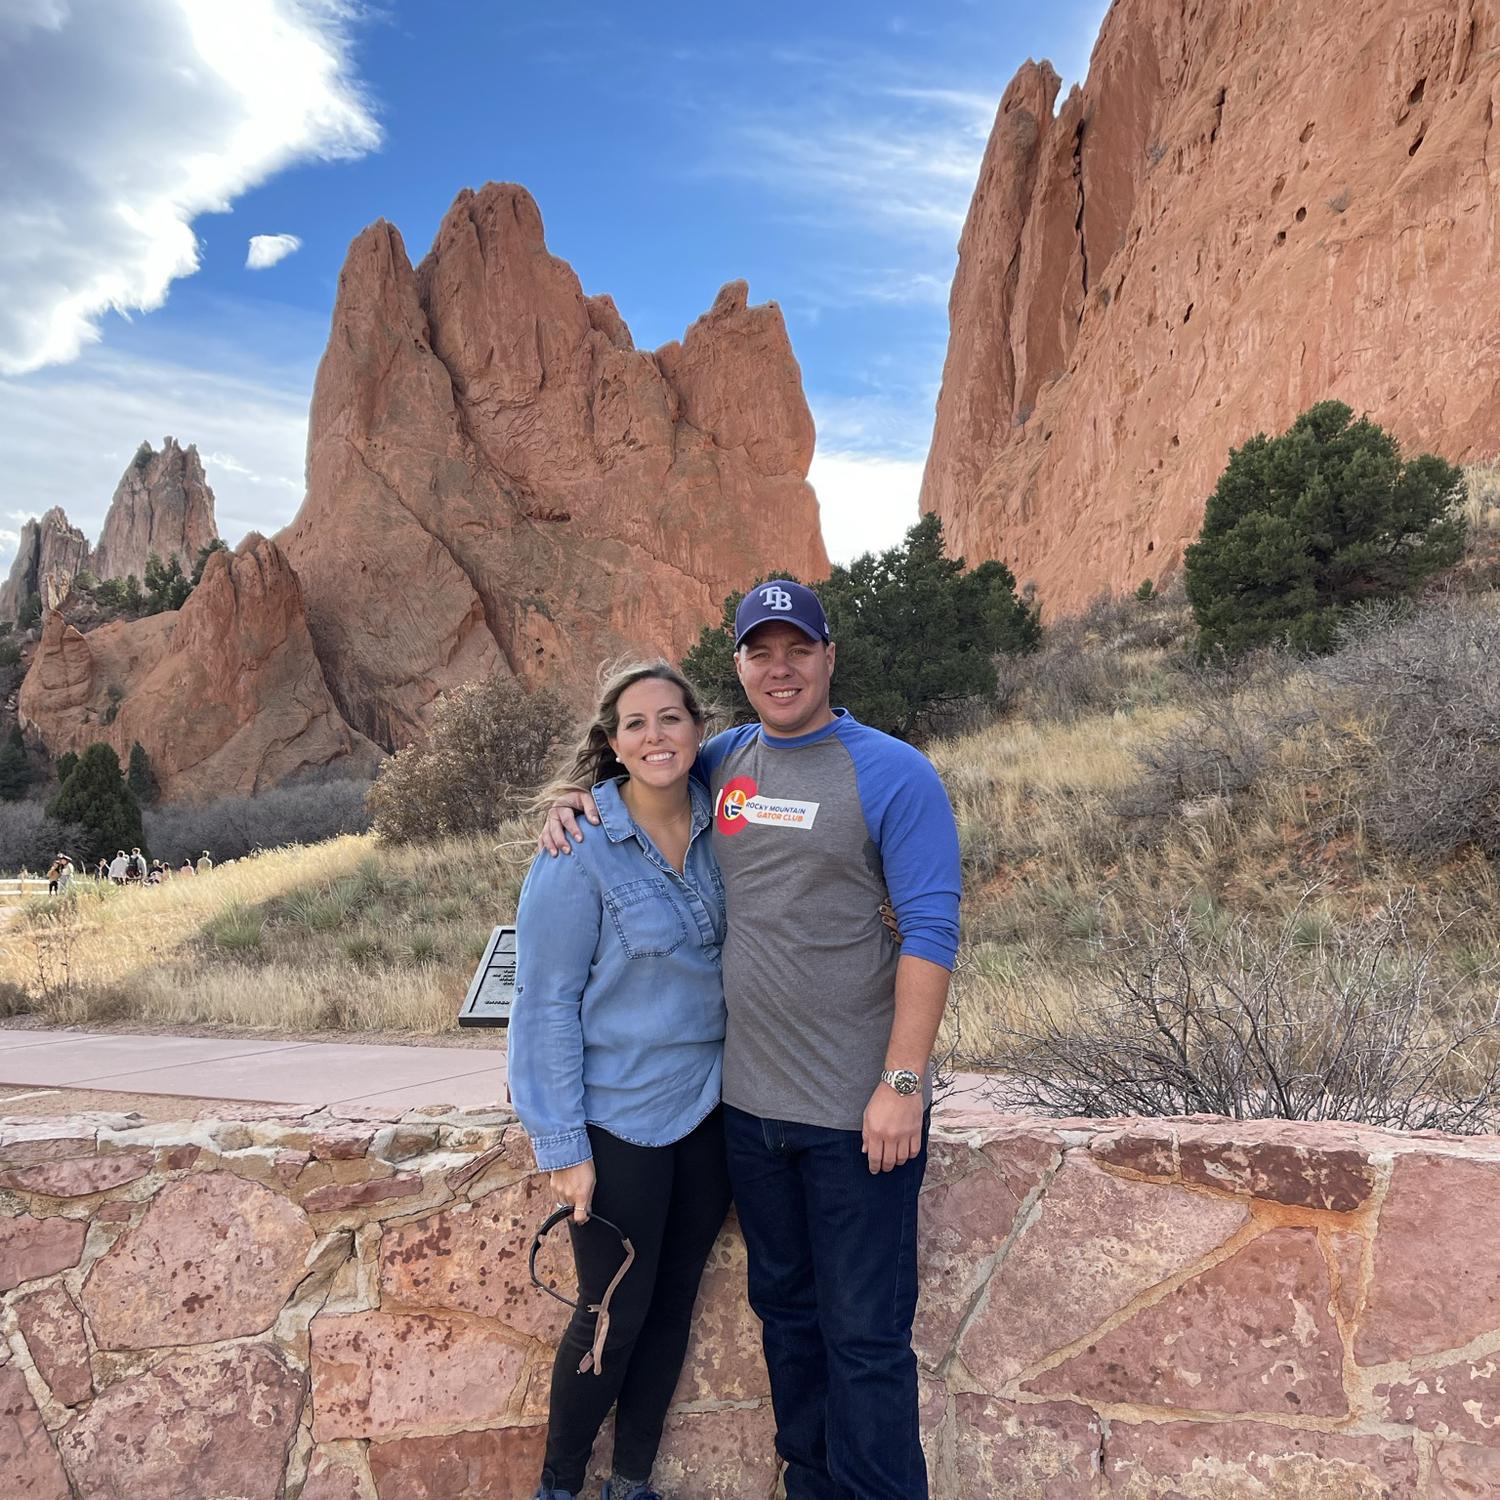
(709, 1006)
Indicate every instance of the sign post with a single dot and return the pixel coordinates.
(493, 987)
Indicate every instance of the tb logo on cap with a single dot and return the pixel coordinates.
(775, 597)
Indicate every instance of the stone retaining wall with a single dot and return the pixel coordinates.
(336, 1309)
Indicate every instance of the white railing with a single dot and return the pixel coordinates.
(32, 885)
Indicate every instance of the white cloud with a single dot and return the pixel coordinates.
(122, 123)
(267, 249)
(867, 502)
(68, 433)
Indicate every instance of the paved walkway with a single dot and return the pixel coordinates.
(262, 1070)
(265, 1070)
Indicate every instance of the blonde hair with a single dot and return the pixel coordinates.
(591, 760)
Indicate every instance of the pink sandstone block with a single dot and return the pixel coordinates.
(727, 1454)
(1305, 1168)
(208, 1423)
(1254, 1334)
(327, 1479)
(378, 1374)
(1098, 1242)
(214, 1257)
(1460, 1400)
(1147, 1151)
(336, 1197)
(34, 1149)
(724, 1360)
(1432, 1201)
(29, 1465)
(1209, 1460)
(1465, 1473)
(1049, 1449)
(472, 1258)
(346, 1140)
(38, 1247)
(53, 1329)
(79, 1177)
(497, 1463)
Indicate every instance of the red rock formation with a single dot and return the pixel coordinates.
(1245, 210)
(50, 554)
(498, 480)
(162, 505)
(225, 694)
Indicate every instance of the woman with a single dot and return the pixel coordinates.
(616, 1050)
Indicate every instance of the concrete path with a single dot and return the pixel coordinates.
(264, 1070)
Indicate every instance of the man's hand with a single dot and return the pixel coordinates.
(892, 1128)
(575, 1185)
(561, 831)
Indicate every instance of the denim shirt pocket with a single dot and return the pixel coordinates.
(646, 918)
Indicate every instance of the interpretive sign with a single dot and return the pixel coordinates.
(494, 984)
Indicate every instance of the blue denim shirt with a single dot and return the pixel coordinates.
(618, 1018)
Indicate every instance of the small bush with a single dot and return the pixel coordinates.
(1304, 527)
(236, 929)
(1255, 1027)
(304, 812)
(1427, 688)
(487, 751)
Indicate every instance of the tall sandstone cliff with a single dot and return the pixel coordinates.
(49, 556)
(499, 481)
(1247, 208)
(162, 505)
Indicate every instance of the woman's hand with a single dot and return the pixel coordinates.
(575, 1185)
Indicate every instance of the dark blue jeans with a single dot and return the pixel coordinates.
(832, 1253)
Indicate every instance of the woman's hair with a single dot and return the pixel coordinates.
(591, 760)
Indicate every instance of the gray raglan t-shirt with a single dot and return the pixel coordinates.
(812, 834)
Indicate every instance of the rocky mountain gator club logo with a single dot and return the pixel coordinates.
(740, 804)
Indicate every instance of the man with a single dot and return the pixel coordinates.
(137, 864)
(830, 1033)
(118, 867)
(205, 863)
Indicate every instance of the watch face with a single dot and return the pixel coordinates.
(904, 1081)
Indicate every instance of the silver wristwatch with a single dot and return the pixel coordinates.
(903, 1080)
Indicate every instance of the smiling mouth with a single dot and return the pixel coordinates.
(660, 757)
(782, 694)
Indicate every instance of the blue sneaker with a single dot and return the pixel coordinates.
(640, 1492)
(546, 1491)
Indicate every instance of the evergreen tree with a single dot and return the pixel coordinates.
(96, 798)
(167, 587)
(15, 768)
(204, 553)
(64, 765)
(135, 598)
(1304, 527)
(915, 633)
(140, 778)
(31, 611)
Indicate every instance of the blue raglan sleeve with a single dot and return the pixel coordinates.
(713, 751)
(910, 818)
(557, 932)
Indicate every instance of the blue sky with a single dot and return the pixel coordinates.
(826, 152)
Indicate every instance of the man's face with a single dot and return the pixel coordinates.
(787, 677)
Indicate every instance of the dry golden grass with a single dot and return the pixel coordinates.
(351, 935)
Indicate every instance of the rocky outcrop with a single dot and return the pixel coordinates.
(1133, 1309)
(1245, 209)
(162, 506)
(226, 694)
(499, 481)
(50, 555)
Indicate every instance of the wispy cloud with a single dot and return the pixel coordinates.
(267, 249)
(867, 503)
(123, 123)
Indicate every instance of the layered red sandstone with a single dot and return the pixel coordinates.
(1246, 209)
(499, 481)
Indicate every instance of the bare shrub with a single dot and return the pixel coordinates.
(30, 840)
(488, 749)
(232, 827)
(1427, 689)
(1195, 1019)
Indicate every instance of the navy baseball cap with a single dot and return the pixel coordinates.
(780, 599)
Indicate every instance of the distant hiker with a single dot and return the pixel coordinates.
(137, 865)
(54, 874)
(118, 867)
(205, 863)
(101, 870)
(65, 875)
(187, 866)
(155, 873)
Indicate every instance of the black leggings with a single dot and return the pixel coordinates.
(671, 1202)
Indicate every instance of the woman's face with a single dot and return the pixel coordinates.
(657, 740)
